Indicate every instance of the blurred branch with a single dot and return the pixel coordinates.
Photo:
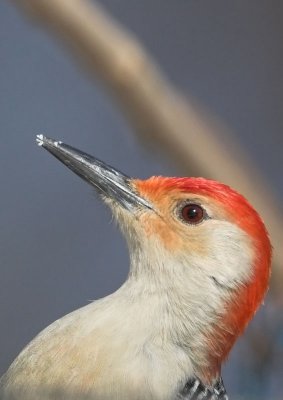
(160, 114)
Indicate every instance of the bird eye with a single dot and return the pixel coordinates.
(192, 213)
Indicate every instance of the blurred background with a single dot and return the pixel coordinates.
(58, 249)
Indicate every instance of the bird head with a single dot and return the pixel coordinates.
(196, 243)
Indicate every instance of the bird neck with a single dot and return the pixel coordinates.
(180, 313)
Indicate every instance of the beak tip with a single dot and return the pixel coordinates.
(43, 141)
(40, 140)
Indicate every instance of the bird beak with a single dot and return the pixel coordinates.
(108, 181)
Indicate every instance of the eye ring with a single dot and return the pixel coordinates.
(192, 213)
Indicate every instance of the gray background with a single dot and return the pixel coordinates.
(58, 249)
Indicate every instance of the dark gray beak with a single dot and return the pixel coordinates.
(108, 181)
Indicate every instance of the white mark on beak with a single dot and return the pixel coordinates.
(39, 139)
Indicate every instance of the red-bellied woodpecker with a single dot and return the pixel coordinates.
(199, 268)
